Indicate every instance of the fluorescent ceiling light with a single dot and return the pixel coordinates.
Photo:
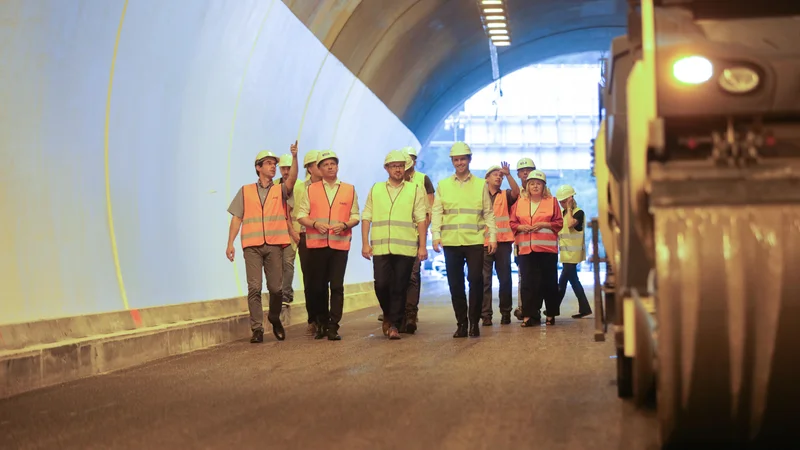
(502, 43)
(492, 10)
(496, 25)
(495, 17)
(492, 2)
(498, 31)
(500, 38)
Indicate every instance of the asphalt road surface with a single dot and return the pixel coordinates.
(547, 388)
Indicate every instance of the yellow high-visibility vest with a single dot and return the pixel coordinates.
(571, 243)
(462, 218)
(393, 229)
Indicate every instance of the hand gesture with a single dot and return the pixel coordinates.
(505, 168)
(338, 228)
(538, 226)
(321, 227)
(422, 254)
(492, 247)
(437, 245)
(293, 148)
(230, 252)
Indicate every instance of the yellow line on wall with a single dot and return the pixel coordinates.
(233, 128)
(341, 111)
(310, 94)
(114, 250)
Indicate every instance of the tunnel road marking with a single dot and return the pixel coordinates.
(233, 128)
(111, 233)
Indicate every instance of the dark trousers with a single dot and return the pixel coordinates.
(412, 293)
(501, 260)
(570, 274)
(302, 251)
(540, 282)
(326, 267)
(391, 282)
(454, 258)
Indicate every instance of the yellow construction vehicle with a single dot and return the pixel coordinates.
(697, 164)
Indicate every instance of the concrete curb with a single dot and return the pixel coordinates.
(51, 363)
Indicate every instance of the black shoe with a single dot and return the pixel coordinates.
(322, 331)
(258, 337)
(487, 321)
(581, 315)
(278, 330)
(410, 325)
(474, 330)
(333, 335)
(461, 332)
(506, 319)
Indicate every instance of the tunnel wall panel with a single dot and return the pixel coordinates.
(199, 87)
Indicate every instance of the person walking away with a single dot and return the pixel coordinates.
(259, 209)
(290, 251)
(462, 212)
(313, 175)
(536, 222)
(572, 248)
(329, 211)
(524, 167)
(501, 260)
(396, 212)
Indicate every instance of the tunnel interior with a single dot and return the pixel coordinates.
(128, 126)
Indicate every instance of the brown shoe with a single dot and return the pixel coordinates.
(393, 333)
(386, 326)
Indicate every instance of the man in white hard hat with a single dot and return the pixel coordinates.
(462, 213)
(524, 167)
(260, 210)
(414, 286)
(289, 252)
(572, 248)
(329, 211)
(501, 259)
(312, 175)
(396, 211)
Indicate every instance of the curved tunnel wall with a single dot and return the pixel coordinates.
(198, 88)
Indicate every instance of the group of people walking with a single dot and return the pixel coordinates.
(473, 221)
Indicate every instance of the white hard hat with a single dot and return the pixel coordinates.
(525, 163)
(266, 154)
(460, 149)
(395, 156)
(410, 150)
(285, 161)
(326, 154)
(564, 192)
(492, 169)
(409, 161)
(311, 157)
(536, 175)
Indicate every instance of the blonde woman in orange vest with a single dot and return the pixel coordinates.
(536, 222)
(261, 212)
(501, 259)
(329, 211)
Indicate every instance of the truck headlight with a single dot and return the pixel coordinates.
(692, 70)
(739, 80)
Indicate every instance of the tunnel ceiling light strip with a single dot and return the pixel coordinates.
(494, 18)
(502, 43)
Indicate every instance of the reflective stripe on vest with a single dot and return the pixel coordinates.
(544, 240)
(571, 243)
(501, 218)
(462, 219)
(393, 229)
(264, 224)
(332, 214)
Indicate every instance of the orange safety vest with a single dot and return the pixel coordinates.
(546, 239)
(335, 213)
(264, 224)
(501, 219)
